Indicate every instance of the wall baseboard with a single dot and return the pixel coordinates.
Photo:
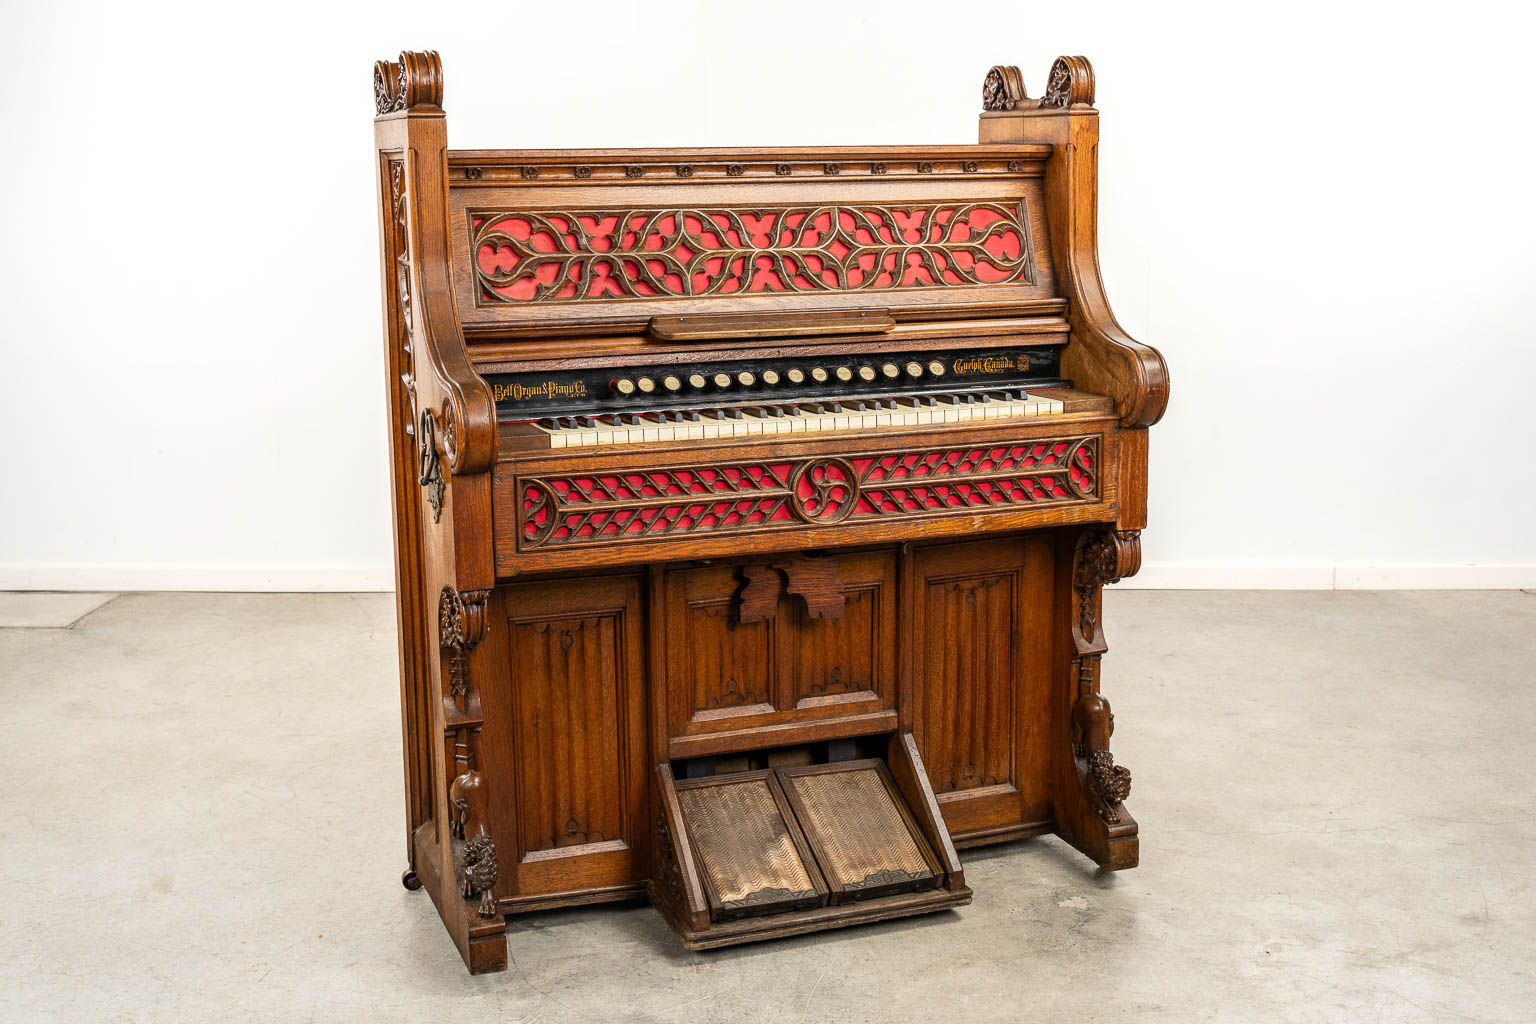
(1332, 577)
(381, 578)
(251, 578)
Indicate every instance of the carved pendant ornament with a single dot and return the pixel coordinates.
(817, 491)
(576, 255)
(461, 625)
(1103, 557)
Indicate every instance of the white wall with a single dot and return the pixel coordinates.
(1320, 213)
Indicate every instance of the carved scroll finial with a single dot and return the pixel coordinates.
(1070, 84)
(415, 80)
(1003, 88)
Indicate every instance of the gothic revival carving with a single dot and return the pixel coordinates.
(1002, 89)
(461, 625)
(399, 199)
(1103, 557)
(478, 873)
(429, 467)
(599, 507)
(664, 869)
(758, 598)
(415, 80)
(1092, 725)
(579, 255)
(814, 580)
(1070, 83)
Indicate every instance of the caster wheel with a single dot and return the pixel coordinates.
(411, 880)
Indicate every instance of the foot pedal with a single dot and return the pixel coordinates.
(862, 836)
(783, 851)
(751, 853)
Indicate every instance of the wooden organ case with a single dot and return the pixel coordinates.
(751, 513)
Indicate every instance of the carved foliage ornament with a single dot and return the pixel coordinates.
(1093, 723)
(461, 625)
(1003, 88)
(415, 80)
(584, 255)
(1070, 83)
(479, 873)
(1103, 557)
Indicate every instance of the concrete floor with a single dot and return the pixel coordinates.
(201, 821)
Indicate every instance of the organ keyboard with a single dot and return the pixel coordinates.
(793, 418)
(752, 508)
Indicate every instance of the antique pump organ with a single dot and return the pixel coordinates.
(751, 513)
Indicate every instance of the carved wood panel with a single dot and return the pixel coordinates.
(982, 644)
(689, 500)
(828, 657)
(787, 667)
(576, 719)
(578, 255)
(730, 667)
(569, 729)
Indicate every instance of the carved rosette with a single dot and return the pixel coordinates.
(416, 79)
(461, 625)
(824, 490)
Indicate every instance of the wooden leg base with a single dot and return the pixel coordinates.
(1112, 847)
(482, 942)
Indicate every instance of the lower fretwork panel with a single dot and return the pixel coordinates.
(609, 508)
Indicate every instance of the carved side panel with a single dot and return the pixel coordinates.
(568, 716)
(982, 649)
(968, 671)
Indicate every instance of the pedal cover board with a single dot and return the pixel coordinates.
(861, 835)
(787, 850)
(752, 856)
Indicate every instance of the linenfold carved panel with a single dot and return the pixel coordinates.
(580, 255)
(602, 508)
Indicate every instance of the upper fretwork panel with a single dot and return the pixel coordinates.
(583, 240)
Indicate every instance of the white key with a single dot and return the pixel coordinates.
(556, 437)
